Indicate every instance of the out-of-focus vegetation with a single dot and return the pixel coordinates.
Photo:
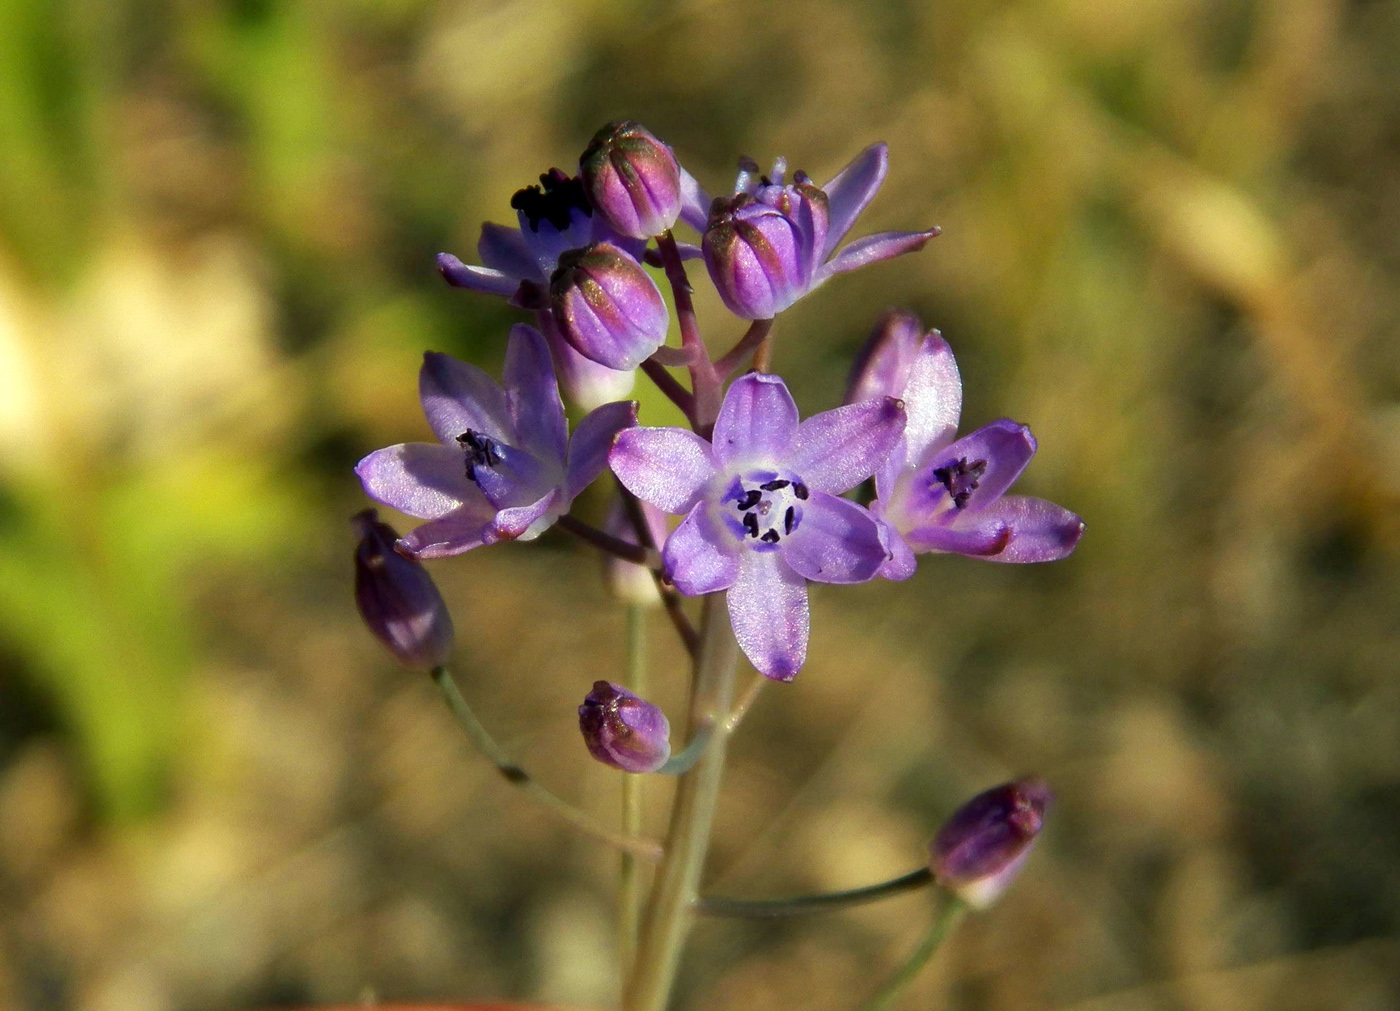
(1171, 244)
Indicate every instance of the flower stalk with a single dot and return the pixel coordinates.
(704, 379)
(759, 909)
(943, 923)
(630, 883)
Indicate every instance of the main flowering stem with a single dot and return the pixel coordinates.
(669, 913)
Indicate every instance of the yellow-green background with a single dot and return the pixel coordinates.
(1171, 245)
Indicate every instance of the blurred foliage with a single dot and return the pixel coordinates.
(1171, 244)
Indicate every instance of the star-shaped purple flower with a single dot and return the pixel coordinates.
(761, 510)
(936, 492)
(504, 466)
(772, 243)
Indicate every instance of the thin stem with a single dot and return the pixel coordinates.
(745, 703)
(669, 385)
(637, 554)
(669, 913)
(683, 761)
(629, 887)
(754, 339)
(516, 776)
(939, 929)
(763, 355)
(704, 381)
(670, 599)
(797, 905)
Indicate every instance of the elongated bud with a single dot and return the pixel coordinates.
(633, 179)
(397, 598)
(978, 852)
(607, 306)
(624, 731)
(629, 582)
(881, 369)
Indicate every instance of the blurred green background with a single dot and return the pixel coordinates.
(1171, 245)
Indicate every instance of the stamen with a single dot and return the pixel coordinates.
(960, 478)
(553, 200)
(751, 524)
(775, 485)
(482, 451)
(770, 537)
(800, 490)
(788, 519)
(751, 498)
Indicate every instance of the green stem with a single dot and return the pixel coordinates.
(717, 905)
(942, 925)
(668, 915)
(516, 776)
(630, 881)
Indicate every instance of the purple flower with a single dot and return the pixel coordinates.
(936, 492)
(398, 600)
(504, 467)
(978, 852)
(761, 510)
(624, 730)
(772, 243)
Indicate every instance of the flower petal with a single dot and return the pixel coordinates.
(668, 467)
(852, 189)
(420, 479)
(836, 542)
(901, 563)
(1005, 445)
(593, 440)
(874, 248)
(932, 397)
(526, 522)
(700, 555)
(1040, 531)
(695, 202)
(457, 397)
(532, 395)
(973, 538)
(504, 249)
(467, 528)
(757, 421)
(768, 612)
(464, 275)
(838, 449)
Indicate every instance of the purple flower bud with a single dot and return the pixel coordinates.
(763, 250)
(622, 730)
(607, 306)
(397, 598)
(979, 850)
(633, 179)
(882, 367)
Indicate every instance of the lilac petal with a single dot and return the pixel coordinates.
(932, 397)
(522, 522)
(874, 248)
(593, 440)
(464, 275)
(419, 479)
(668, 467)
(1007, 447)
(504, 249)
(700, 555)
(585, 382)
(901, 563)
(457, 397)
(836, 542)
(838, 449)
(532, 395)
(1040, 531)
(514, 476)
(981, 540)
(852, 190)
(695, 202)
(467, 528)
(888, 474)
(768, 612)
(757, 421)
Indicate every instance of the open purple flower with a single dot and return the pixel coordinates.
(504, 466)
(772, 243)
(761, 510)
(936, 492)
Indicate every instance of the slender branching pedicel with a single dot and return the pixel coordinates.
(760, 494)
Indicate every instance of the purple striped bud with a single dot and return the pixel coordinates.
(633, 179)
(978, 852)
(607, 306)
(397, 598)
(763, 249)
(622, 730)
(881, 369)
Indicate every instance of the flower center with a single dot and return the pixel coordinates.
(553, 200)
(765, 507)
(481, 450)
(960, 478)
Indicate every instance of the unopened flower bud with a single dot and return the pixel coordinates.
(607, 306)
(881, 369)
(633, 179)
(629, 582)
(979, 850)
(624, 731)
(763, 251)
(397, 598)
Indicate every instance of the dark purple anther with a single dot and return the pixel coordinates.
(607, 307)
(633, 180)
(397, 598)
(623, 730)
(979, 850)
